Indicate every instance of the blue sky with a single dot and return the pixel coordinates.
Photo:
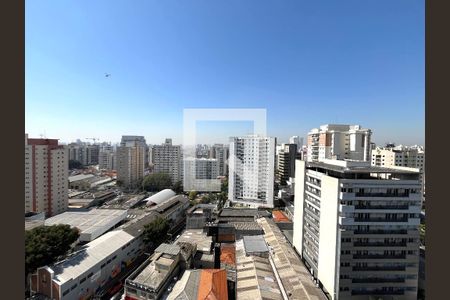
(307, 62)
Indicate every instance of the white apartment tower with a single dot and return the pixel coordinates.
(130, 163)
(167, 158)
(333, 141)
(200, 174)
(356, 228)
(251, 171)
(46, 176)
(411, 157)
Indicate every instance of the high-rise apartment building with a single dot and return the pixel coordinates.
(200, 174)
(333, 141)
(296, 140)
(167, 158)
(107, 159)
(85, 154)
(46, 176)
(221, 153)
(411, 157)
(128, 140)
(356, 228)
(251, 171)
(286, 156)
(130, 163)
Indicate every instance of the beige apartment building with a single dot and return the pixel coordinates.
(46, 176)
(356, 228)
(334, 141)
(167, 158)
(130, 164)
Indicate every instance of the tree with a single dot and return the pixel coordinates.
(156, 231)
(44, 244)
(192, 195)
(224, 186)
(75, 164)
(177, 187)
(156, 182)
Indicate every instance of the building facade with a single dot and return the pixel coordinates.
(200, 174)
(167, 158)
(286, 157)
(252, 171)
(130, 140)
(333, 141)
(296, 140)
(221, 153)
(107, 159)
(130, 164)
(46, 173)
(356, 228)
(411, 157)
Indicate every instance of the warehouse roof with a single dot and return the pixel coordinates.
(94, 221)
(243, 212)
(96, 252)
(80, 177)
(160, 197)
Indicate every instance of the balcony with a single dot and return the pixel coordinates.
(378, 292)
(386, 207)
(379, 244)
(377, 280)
(384, 195)
(379, 256)
(380, 220)
(399, 231)
(386, 268)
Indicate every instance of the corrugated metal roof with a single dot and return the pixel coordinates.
(96, 252)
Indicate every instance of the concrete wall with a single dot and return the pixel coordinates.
(298, 204)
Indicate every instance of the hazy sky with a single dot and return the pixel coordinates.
(307, 62)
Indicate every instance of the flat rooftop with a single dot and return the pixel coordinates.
(80, 177)
(243, 212)
(255, 244)
(358, 167)
(151, 276)
(197, 237)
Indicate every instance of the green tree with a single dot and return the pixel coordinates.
(75, 164)
(224, 186)
(192, 195)
(156, 231)
(177, 187)
(156, 182)
(44, 244)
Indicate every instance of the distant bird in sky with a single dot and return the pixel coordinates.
(107, 75)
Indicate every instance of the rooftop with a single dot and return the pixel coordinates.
(255, 244)
(206, 284)
(279, 216)
(80, 177)
(243, 212)
(343, 166)
(255, 277)
(169, 249)
(96, 251)
(197, 237)
(294, 276)
(92, 222)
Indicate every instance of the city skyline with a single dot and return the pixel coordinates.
(308, 64)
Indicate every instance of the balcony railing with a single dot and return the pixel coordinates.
(379, 244)
(377, 280)
(400, 231)
(380, 220)
(379, 256)
(382, 206)
(387, 268)
(359, 194)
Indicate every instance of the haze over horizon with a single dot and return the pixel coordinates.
(307, 63)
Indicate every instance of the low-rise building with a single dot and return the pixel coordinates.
(150, 279)
(203, 284)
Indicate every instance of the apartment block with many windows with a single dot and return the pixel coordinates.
(356, 228)
(46, 176)
(252, 171)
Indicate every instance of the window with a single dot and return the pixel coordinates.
(82, 280)
(66, 292)
(73, 287)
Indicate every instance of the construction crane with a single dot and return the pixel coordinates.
(94, 139)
